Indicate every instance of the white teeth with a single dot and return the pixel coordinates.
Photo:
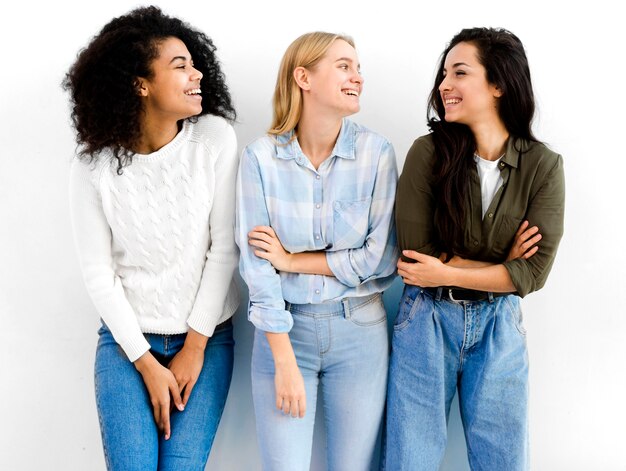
(195, 91)
(351, 92)
(452, 101)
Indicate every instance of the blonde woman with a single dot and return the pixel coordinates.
(315, 228)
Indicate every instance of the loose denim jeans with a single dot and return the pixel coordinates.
(129, 434)
(345, 346)
(478, 347)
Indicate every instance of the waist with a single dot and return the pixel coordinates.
(461, 294)
(332, 308)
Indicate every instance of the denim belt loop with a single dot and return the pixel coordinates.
(287, 305)
(490, 296)
(439, 293)
(346, 307)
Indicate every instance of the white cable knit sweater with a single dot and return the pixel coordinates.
(156, 244)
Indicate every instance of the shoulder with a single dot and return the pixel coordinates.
(262, 148)
(212, 130)
(361, 132)
(537, 156)
(421, 155)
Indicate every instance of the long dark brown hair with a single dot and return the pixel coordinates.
(502, 55)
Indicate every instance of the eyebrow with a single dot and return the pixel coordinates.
(178, 58)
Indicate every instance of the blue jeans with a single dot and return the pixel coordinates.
(478, 347)
(130, 437)
(344, 345)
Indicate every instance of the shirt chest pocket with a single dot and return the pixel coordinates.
(350, 223)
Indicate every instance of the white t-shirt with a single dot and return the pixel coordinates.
(490, 179)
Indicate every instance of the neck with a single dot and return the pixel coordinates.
(317, 135)
(156, 134)
(490, 140)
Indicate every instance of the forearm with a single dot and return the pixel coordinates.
(311, 263)
(282, 350)
(494, 278)
(458, 262)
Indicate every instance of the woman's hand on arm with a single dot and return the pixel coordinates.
(268, 247)
(187, 363)
(288, 381)
(525, 243)
(160, 383)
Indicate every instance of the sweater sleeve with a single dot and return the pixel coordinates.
(217, 291)
(92, 235)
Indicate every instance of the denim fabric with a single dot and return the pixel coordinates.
(440, 346)
(130, 437)
(344, 207)
(343, 345)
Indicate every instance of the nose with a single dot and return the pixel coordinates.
(357, 77)
(196, 75)
(445, 84)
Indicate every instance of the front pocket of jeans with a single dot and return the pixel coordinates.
(350, 223)
(516, 315)
(406, 311)
(370, 313)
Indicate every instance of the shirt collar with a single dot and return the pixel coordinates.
(514, 147)
(289, 148)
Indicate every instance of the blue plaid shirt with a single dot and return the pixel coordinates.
(344, 208)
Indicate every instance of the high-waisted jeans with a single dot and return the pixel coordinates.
(130, 437)
(343, 345)
(477, 347)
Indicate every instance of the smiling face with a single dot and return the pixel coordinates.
(467, 96)
(335, 84)
(173, 91)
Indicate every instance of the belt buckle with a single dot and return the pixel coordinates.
(452, 297)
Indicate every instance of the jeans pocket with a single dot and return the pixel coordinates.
(516, 313)
(370, 313)
(350, 223)
(409, 302)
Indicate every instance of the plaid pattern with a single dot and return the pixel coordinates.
(345, 208)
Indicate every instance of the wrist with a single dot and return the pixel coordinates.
(195, 341)
(144, 362)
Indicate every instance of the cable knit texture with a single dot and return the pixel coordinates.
(156, 243)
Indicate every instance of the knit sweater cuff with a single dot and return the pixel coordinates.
(134, 347)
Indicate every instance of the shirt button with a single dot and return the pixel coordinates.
(317, 206)
(317, 291)
(475, 242)
(317, 237)
(501, 164)
(317, 177)
(490, 215)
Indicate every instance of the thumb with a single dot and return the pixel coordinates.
(412, 254)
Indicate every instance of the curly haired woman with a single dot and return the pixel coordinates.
(152, 201)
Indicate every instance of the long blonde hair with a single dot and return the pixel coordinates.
(306, 51)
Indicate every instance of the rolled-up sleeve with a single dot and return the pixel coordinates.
(267, 306)
(546, 211)
(378, 255)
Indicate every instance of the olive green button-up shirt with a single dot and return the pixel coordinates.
(533, 188)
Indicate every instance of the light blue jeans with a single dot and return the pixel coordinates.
(343, 345)
(440, 346)
(130, 437)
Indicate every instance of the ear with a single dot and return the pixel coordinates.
(141, 87)
(301, 76)
(497, 91)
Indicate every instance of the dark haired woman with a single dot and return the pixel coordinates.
(152, 200)
(464, 190)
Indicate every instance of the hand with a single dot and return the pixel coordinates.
(160, 383)
(290, 392)
(269, 247)
(427, 272)
(524, 243)
(187, 363)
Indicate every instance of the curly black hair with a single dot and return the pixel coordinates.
(102, 83)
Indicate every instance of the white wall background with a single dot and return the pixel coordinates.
(576, 325)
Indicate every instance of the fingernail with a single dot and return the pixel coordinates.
(181, 407)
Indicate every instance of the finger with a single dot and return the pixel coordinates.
(264, 229)
(165, 420)
(279, 402)
(529, 243)
(188, 389)
(294, 409)
(156, 409)
(528, 233)
(530, 253)
(175, 392)
(521, 228)
(286, 406)
(260, 244)
(262, 254)
(412, 254)
(302, 404)
(260, 236)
